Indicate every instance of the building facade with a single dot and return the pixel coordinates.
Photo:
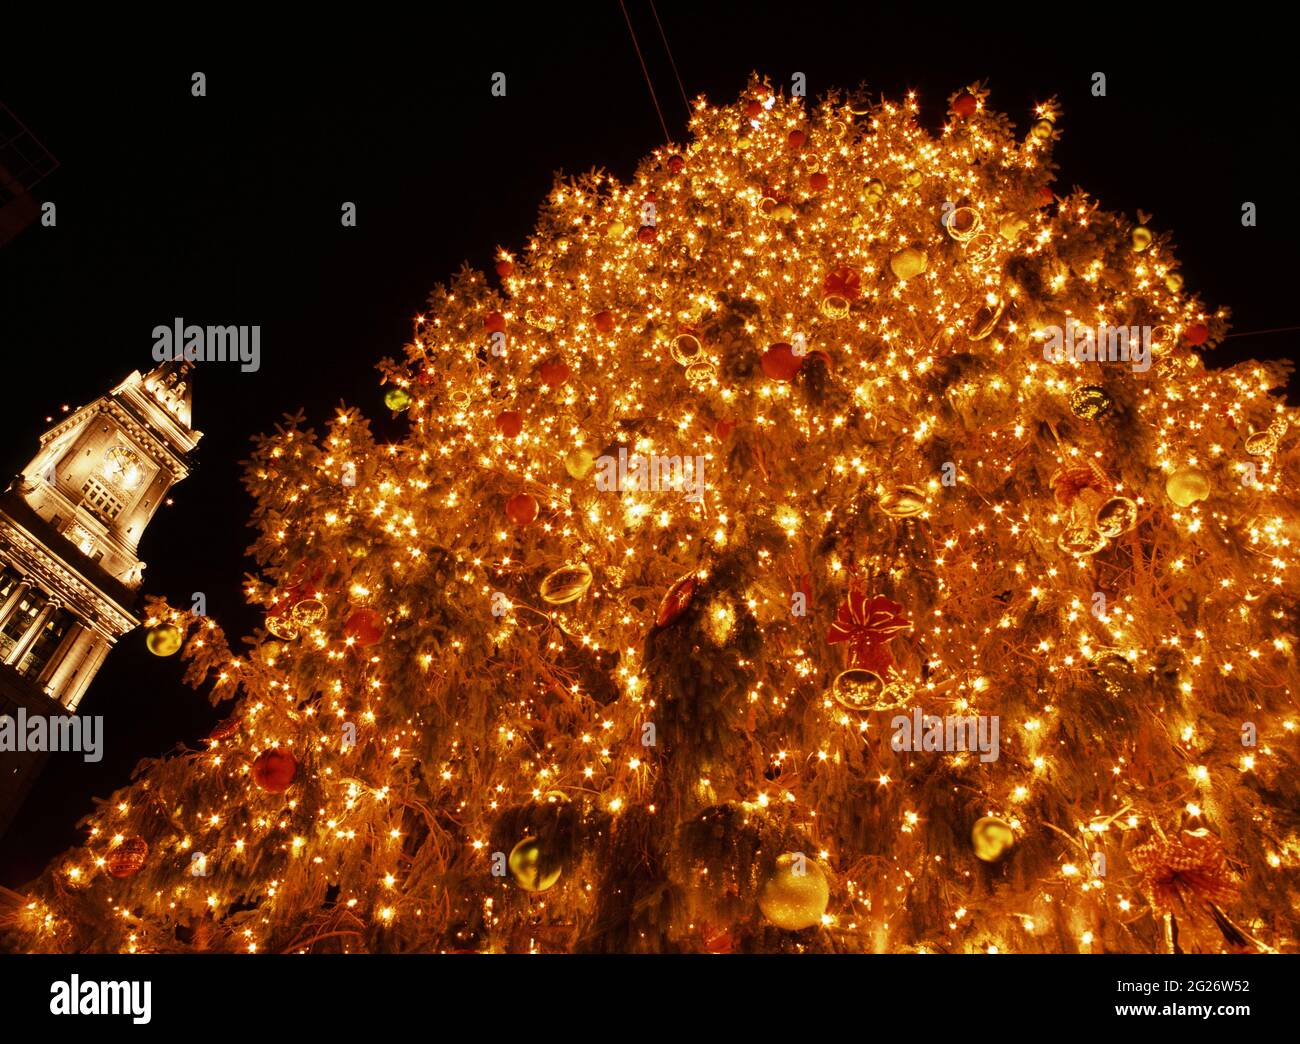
(70, 525)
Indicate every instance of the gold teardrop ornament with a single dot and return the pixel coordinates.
(985, 320)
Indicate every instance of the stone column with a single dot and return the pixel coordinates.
(64, 651)
(11, 603)
(76, 684)
(32, 633)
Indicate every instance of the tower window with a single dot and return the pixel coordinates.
(100, 499)
(81, 538)
(9, 579)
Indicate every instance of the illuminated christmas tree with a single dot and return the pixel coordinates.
(830, 540)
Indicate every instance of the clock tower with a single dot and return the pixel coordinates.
(70, 526)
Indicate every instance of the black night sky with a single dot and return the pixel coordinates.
(225, 210)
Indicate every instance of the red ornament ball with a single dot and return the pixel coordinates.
(647, 233)
(505, 268)
(126, 859)
(796, 139)
(723, 429)
(554, 372)
(364, 627)
(1197, 333)
(604, 321)
(1045, 196)
(273, 770)
(753, 108)
(676, 600)
(965, 106)
(521, 509)
(780, 363)
(510, 423)
(818, 182)
(495, 323)
(675, 164)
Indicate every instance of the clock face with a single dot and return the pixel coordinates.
(123, 468)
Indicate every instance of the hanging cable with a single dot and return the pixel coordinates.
(653, 97)
(664, 36)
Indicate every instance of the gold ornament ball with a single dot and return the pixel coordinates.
(903, 502)
(701, 373)
(858, 690)
(991, 838)
(1261, 443)
(979, 248)
(282, 627)
(797, 894)
(1174, 282)
(685, 349)
(308, 612)
(907, 262)
(875, 190)
(1081, 540)
(566, 584)
(525, 864)
(1118, 515)
(1042, 130)
(397, 399)
(615, 230)
(1090, 402)
(1141, 238)
(963, 223)
(1011, 226)
(781, 212)
(835, 307)
(1187, 485)
(163, 640)
(579, 463)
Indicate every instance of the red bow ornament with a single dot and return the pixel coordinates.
(868, 624)
(843, 282)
